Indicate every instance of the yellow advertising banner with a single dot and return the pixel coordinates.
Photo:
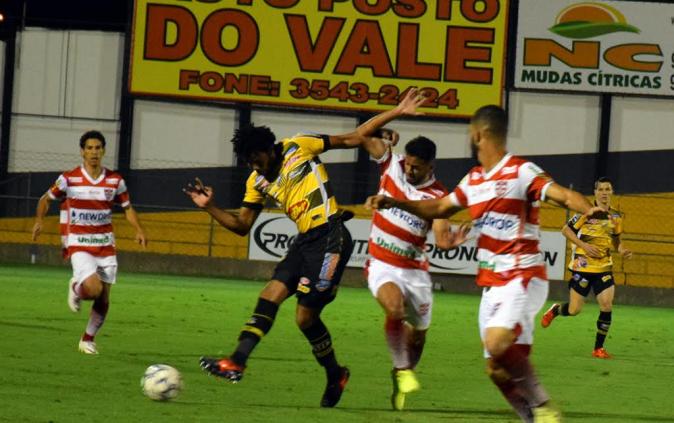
(338, 54)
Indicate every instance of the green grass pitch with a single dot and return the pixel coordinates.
(174, 320)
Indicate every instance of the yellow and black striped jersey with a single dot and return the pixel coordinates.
(302, 188)
(598, 232)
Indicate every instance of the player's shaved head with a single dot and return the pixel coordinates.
(493, 120)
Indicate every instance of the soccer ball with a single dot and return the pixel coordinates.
(161, 382)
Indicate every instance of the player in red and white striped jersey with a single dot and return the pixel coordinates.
(503, 195)
(397, 270)
(87, 195)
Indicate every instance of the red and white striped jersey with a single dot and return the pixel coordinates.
(504, 205)
(398, 237)
(86, 210)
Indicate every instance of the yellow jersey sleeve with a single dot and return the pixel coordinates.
(312, 144)
(253, 198)
(577, 222)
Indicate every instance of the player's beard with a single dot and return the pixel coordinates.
(473, 152)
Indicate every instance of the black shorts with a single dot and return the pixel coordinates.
(582, 282)
(315, 262)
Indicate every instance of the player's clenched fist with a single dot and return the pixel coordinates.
(379, 202)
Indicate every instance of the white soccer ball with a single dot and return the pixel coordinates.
(161, 382)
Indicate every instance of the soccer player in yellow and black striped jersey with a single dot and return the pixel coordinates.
(290, 173)
(591, 264)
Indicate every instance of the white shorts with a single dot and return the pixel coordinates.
(415, 285)
(511, 305)
(85, 265)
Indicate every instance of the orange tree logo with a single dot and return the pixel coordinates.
(587, 20)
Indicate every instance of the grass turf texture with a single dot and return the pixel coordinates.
(174, 320)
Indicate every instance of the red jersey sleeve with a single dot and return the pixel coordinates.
(536, 181)
(122, 194)
(59, 189)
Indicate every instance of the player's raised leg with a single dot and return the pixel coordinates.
(259, 324)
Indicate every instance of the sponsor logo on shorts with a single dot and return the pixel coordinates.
(606, 278)
(329, 265)
(323, 285)
(304, 285)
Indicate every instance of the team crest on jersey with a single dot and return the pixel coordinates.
(501, 187)
(109, 194)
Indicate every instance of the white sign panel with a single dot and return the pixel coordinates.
(272, 233)
(603, 46)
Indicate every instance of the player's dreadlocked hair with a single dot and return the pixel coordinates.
(422, 148)
(251, 139)
(494, 117)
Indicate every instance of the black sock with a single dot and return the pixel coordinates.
(603, 325)
(563, 310)
(321, 346)
(258, 326)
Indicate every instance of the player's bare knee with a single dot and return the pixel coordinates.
(395, 312)
(496, 346)
(304, 319)
(93, 287)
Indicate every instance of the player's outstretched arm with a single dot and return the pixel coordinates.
(40, 213)
(202, 196)
(569, 199)
(132, 218)
(368, 134)
(426, 209)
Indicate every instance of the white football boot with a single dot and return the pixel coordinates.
(87, 347)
